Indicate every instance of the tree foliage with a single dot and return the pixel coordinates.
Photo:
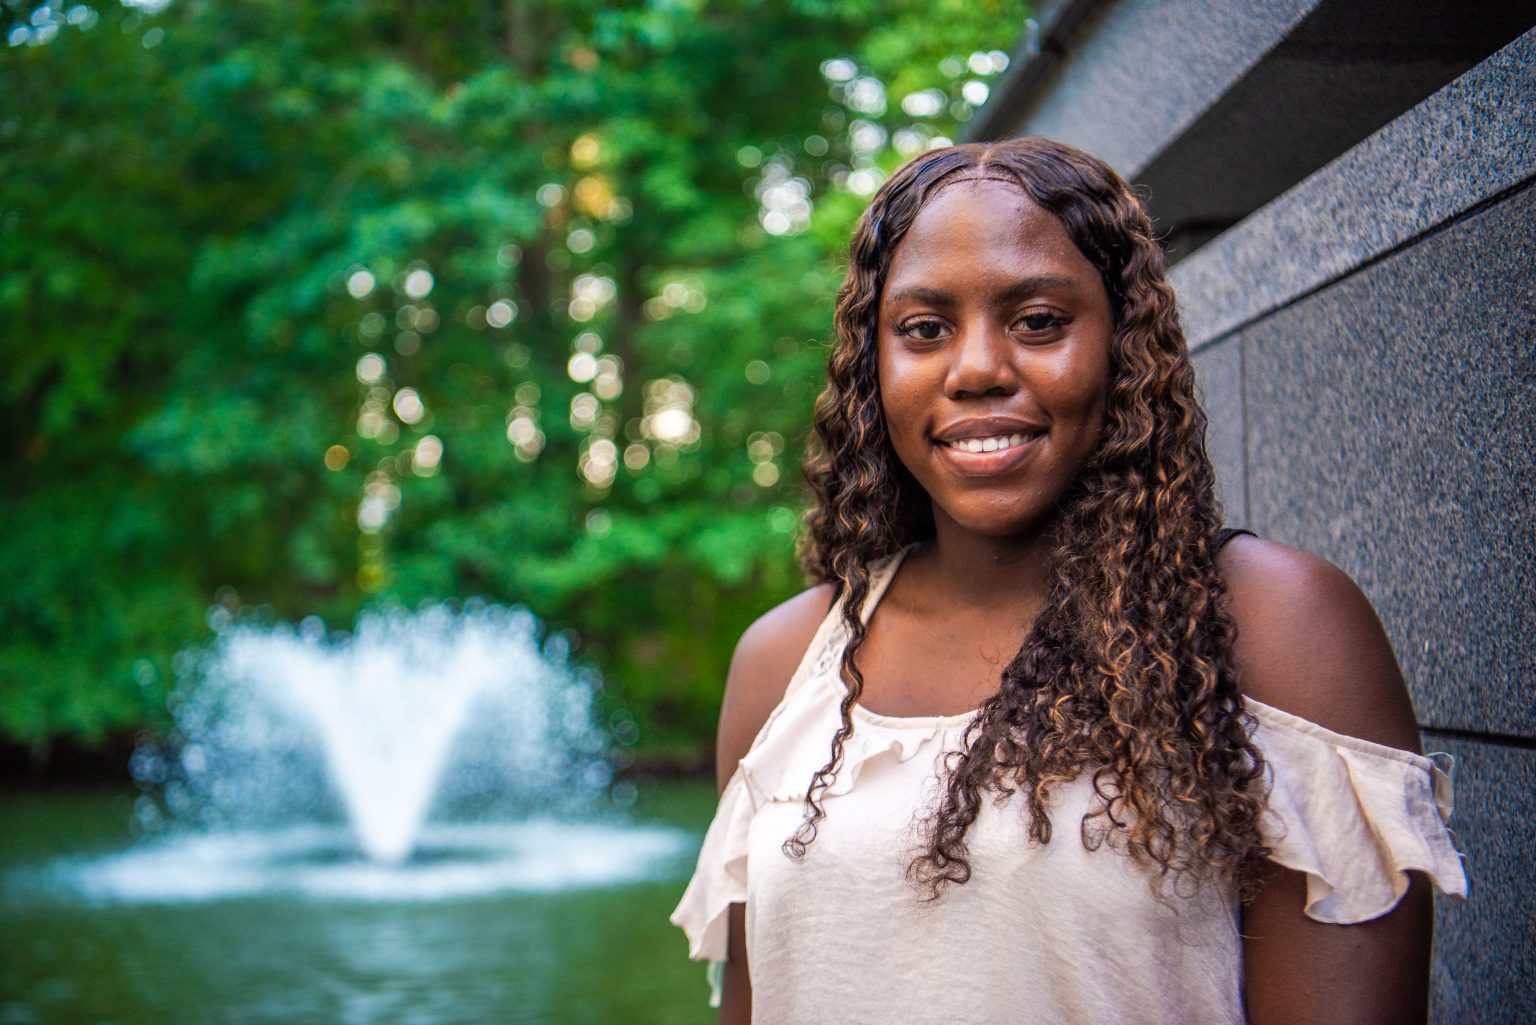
(310, 306)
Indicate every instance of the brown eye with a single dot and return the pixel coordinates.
(1040, 321)
(922, 330)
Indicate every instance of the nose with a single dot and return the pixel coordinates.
(981, 363)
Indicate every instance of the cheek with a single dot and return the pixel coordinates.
(1076, 387)
(902, 391)
(1075, 396)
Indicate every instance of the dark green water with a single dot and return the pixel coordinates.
(600, 955)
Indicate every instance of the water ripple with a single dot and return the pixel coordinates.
(450, 862)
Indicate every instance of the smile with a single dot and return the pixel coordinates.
(996, 443)
(988, 456)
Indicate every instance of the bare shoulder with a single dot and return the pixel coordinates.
(1309, 643)
(765, 659)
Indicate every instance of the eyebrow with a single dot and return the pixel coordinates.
(1013, 291)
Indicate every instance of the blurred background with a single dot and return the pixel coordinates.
(401, 413)
(309, 307)
(447, 361)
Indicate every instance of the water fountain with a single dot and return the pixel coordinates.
(430, 754)
(411, 822)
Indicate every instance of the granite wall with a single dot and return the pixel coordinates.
(1359, 290)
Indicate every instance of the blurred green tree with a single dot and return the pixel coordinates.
(310, 306)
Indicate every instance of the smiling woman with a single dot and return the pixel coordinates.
(1046, 743)
(993, 345)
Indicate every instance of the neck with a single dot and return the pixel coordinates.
(988, 572)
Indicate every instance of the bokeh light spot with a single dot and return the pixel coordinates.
(360, 284)
(408, 406)
(839, 69)
(599, 523)
(582, 367)
(585, 151)
(500, 313)
(926, 103)
(427, 456)
(418, 283)
(370, 368)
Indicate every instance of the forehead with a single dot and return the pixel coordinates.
(986, 228)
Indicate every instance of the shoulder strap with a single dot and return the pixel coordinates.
(825, 635)
(827, 646)
(879, 580)
(1226, 534)
(806, 669)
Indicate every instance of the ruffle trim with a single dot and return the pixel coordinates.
(720, 879)
(803, 737)
(800, 735)
(1355, 816)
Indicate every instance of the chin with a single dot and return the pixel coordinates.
(998, 523)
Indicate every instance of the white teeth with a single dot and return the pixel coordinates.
(994, 444)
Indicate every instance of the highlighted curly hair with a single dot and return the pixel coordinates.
(1128, 673)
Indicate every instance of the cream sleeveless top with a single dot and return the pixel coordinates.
(1051, 933)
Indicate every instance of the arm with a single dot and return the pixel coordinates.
(765, 659)
(1308, 642)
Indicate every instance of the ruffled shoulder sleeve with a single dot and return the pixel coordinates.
(1355, 816)
(720, 879)
(795, 735)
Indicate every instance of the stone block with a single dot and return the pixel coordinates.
(1473, 139)
(1485, 947)
(1174, 57)
(1391, 419)
(1219, 381)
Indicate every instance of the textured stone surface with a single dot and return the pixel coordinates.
(1391, 422)
(1485, 947)
(1219, 381)
(1150, 68)
(1344, 71)
(1472, 139)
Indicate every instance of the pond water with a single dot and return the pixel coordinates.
(94, 929)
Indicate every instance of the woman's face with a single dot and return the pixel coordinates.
(993, 345)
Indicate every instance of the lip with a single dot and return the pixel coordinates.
(986, 427)
(987, 464)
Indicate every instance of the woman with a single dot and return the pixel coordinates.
(1046, 744)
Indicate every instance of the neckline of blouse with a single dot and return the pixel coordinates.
(1267, 714)
(882, 582)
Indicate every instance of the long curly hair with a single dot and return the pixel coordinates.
(1128, 673)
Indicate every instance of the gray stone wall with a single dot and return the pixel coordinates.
(1385, 422)
(1365, 340)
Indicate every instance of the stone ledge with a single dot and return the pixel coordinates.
(1144, 72)
(1474, 139)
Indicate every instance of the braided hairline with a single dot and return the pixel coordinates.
(1128, 674)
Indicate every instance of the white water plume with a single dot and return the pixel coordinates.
(456, 711)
